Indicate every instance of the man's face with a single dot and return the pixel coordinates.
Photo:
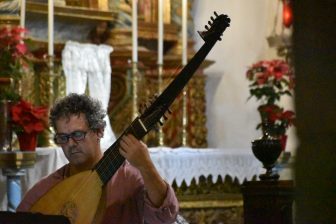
(85, 152)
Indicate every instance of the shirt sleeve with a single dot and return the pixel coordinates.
(166, 213)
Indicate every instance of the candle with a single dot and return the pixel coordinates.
(50, 27)
(184, 31)
(22, 13)
(160, 33)
(135, 31)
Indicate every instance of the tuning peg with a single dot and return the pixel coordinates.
(156, 127)
(215, 13)
(206, 27)
(169, 111)
(210, 23)
(212, 18)
(142, 108)
(219, 39)
(152, 98)
(145, 105)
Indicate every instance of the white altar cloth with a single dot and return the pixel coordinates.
(187, 163)
(179, 164)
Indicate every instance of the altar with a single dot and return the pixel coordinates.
(176, 165)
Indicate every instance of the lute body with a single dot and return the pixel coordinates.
(78, 196)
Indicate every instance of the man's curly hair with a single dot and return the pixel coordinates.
(75, 104)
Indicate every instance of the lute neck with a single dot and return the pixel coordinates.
(112, 159)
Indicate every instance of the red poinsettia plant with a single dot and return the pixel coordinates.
(270, 80)
(14, 56)
(28, 118)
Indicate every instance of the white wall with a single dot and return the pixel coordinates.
(231, 119)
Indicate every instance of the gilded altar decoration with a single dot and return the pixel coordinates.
(208, 201)
(270, 80)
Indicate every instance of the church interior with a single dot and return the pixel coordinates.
(243, 142)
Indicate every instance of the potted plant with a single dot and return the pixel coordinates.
(27, 122)
(14, 60)
(269, 81)
(14, 63)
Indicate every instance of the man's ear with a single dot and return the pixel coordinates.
(100, 132)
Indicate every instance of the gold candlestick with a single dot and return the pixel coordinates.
(135, 79)
(184, 62)
(184, 118)
(52, 86)
(160, 71)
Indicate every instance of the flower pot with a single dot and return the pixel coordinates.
(27, 141)
(267, 150)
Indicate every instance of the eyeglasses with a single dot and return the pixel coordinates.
(64, 138)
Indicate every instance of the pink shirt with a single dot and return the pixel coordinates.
(126, 199)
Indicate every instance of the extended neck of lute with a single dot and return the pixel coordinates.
(112, 158)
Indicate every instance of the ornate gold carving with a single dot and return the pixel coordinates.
(120, 107)
(73, 12)
(48, 83)
(17, 159)
(149, 11)
(44, 87)
(92, 4)
(209, 202)
(230, 215)
(9, 20)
